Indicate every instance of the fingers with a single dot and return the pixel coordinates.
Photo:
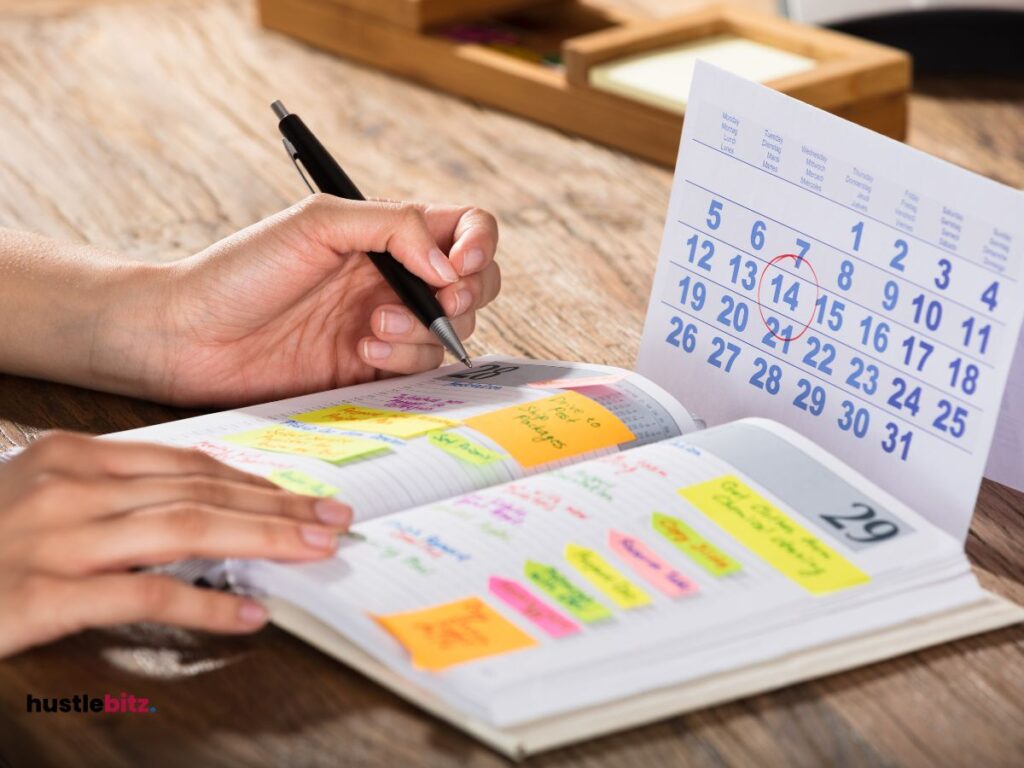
(400, 358)
(472, 292)
(84, 456)
(176, 532)
(62, 498)
(345, 226)
(396, 324)
(55, 606)
(470, 234)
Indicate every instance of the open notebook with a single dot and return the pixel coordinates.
(549, 551)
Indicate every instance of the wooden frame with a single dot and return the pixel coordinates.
(861, 81)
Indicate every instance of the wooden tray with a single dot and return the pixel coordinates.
(861, 81)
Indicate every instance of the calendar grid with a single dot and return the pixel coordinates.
(804, 371)
(860, 259)
(844, 297)
(1002, 275)
(859, 352)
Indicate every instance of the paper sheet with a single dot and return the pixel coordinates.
(842, 283)
(593, 618)
(399, 443)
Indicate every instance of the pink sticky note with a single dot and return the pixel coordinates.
(649, 565)
(537, 611)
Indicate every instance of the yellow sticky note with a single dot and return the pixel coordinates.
(296, 481)
(552, 428)
(774, 536)
(605, 577)
(464, 449)
(361, 418)
(332, 448)
(454, 633)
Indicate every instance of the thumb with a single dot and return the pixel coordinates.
(344, 226)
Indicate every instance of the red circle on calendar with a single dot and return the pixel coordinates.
(817, 292)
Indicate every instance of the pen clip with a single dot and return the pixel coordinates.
(294, 155)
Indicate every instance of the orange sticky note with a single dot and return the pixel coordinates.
(453, 633)
(552, 428)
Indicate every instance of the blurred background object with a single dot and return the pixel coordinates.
(946, 37)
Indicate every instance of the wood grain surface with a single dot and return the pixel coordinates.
(143, 126)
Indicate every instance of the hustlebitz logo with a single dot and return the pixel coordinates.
(110, 704)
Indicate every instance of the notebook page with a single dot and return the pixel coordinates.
(667, 550)
(853, 288)
(402, 442)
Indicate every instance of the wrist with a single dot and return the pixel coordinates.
(128, 330)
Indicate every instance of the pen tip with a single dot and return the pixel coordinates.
(466, 362)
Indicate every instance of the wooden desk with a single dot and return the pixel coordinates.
(111, 112)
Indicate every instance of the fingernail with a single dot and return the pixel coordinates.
(321, 538)
(332, 512)
(395, 322)
(472, 260)
(463, 299)
(251, 612)
(442, 266)
(377, 350)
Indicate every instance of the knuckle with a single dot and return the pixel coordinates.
(410, 215)
(50, 446)
(188, 523)
(153, 594)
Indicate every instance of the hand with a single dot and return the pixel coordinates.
(292, 304)
(76, 514)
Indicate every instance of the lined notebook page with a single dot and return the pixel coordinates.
(398, 443)
(627, 572)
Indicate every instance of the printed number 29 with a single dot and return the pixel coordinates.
(865, 522)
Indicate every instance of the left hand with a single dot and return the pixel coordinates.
(292, 305)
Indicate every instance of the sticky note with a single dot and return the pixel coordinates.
(694, 546)
(540, 613)
(379, 421)
(464, 449)
(662, 77)
(560, 589)
(650, 566)
(552, 428)
(333, 448)
(453, 633)
(606, 577)
(296, 481)
(771, 534)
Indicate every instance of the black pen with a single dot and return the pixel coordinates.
(303, 147)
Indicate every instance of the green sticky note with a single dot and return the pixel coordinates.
(464, 449)
(694, 546)
(297, 481)
(565, 593)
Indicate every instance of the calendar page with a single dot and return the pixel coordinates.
(855, 289)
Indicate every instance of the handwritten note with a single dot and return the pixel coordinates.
(552, 428)
(464, 449)
(297, 481)
(650, 566)
(605, 577)
(565, 593)
(540, 613)
(333, 448)
(361, 418)
(454, 633)
(768, 532)
(694, 546)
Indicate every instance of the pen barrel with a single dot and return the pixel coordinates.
(412, 291)
(331, 179)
